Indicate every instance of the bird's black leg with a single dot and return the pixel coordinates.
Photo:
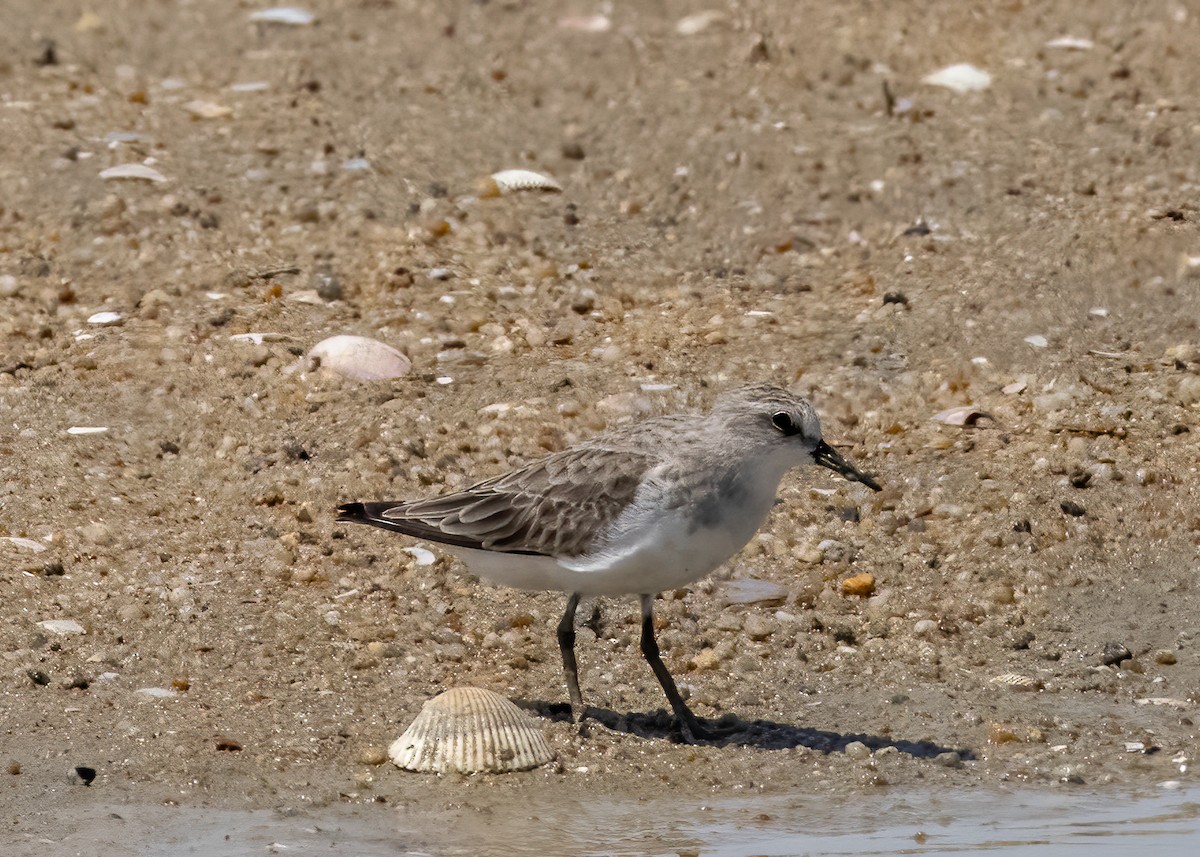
(566, 644)
(688, 724)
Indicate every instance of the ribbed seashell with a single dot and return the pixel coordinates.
(359, 357)
(511, 181)
(1016, 681)
(470, 730)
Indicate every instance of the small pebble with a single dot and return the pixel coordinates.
(1114, 653)
(758, 627)
(949, 759)
(96, 533)
(1165, 657)
(373, 755)
(861, 585)
(705, 659)
(1070, 507)
(858, 751)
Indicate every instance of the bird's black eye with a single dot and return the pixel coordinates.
(783, 422)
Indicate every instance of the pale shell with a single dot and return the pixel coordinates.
(962, 77)
(289, 15)
(470, 730)
(511, 181)
(1016, 681)
(133, 171)
(964, 415)
(359, 357)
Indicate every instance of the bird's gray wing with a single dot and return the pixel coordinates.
(553, 507)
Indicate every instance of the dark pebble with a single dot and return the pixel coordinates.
(895, 298)
(85, 774)
(572, 151)
(1022, 639)
(38, 677)
(1113, 653)
(1071, 508)
(329, 287)
(1080, 478)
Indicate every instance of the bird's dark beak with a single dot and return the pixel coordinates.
(826, 456)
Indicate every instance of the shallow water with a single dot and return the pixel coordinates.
(1015, 822)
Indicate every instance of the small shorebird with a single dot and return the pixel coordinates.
(636, 510)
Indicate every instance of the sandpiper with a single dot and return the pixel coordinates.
(636, 510)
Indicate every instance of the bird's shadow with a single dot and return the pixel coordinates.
(734, 731)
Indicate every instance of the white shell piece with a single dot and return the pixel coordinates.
(105, 318)
(586, 23)
(77, 430)
(962, 77)
(750, 591)
(1071, 43)
(250, 86)
(960, 416)
(511, 181)
(421, 555)
(133, 171)
(360, 358)
(259, 338)
(470, 730)
(1037, 340)
(62, 626)
(157, 692)
(202, 109)
(1171, 702)
(21, 542)
(284, 15)
(698, 22)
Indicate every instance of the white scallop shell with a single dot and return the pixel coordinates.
(511, 181)
(359, 357)
(470, 730)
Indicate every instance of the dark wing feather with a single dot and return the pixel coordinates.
(532, 510)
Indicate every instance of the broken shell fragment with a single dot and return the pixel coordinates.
(202, 109)
(470, 730)
(1016, 681)
(752, 591)
(511, 181)
(698, 22)
(961, 77)
(62, 626)
(104, 318)
(359, 357)
(289, 15)
(965, 415)
(133, 171)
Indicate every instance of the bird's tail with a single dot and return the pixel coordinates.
(372, 514)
